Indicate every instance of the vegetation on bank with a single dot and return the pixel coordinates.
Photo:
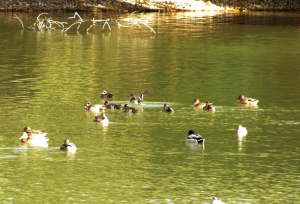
(146, 5)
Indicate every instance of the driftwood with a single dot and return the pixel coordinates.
(48, 23)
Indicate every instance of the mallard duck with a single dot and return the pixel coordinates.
(216, 201)
(138, 99)
(95, 108)
(245, 100)
(104, 94)
(241, 130)
(30, 131)
(112, 106)
(101, 118)
(167, 109)
(193, 137)
(127, 109)
(67, 145)
(199, 104)
(34, 138)
(208, 106)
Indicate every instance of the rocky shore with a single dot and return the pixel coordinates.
(147, 5)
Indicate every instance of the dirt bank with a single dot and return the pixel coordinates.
(146, 5)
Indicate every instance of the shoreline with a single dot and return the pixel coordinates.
(123, 6)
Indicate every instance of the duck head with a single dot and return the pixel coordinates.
(67, 142)
(191, 132)
(87, 104)
(241, 97)
(27, 129)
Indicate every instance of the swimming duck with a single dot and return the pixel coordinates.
(208, 106)
(104, 94)
(34, 138)
(101, 118)
(199, 104)
(216, 201)
(95, 108)
(167, 109)
(138, 99)
(241, 130)
(127, 109)
(193, 137)
(30, 131)
(112, 106)
(245, 100)
(67, 145)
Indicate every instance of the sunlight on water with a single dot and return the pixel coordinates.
(46, 76)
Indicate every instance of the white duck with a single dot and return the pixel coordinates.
(216, 201)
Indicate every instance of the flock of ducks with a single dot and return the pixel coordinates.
(33, 136)
(241, 131)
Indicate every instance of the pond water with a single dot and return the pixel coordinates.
(46, 76)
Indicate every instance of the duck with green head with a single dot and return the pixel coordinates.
(193, 137)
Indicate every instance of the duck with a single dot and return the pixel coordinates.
(104, 94)
(101, 118)
(216, 201)
(198, 104)
(245, 100)
(208, 106)
(167, 109)
(95, 108)
(127, 109)
(112, 106)
(34, 138)
(241, 130)
(67, 145)
(138, 99)
(35, 132)
(193, 137)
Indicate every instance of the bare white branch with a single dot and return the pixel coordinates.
(106, 22)
(48, 23)
(19, 20)
(76, 14)
(37, 18)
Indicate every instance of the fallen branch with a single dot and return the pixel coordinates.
(19, 20)
(77, 22)
(48, 23)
